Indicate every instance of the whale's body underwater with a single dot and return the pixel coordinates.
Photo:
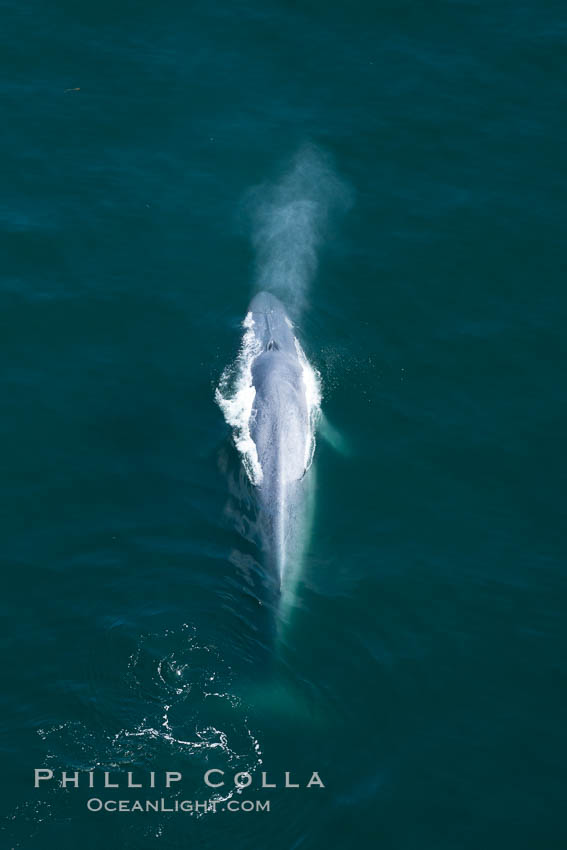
(281, 427)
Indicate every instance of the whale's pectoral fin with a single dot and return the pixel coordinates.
(333, 437)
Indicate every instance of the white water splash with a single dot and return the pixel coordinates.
(235, 396)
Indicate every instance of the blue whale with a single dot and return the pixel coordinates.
(282, 429)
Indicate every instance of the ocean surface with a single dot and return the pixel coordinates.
(420, 664)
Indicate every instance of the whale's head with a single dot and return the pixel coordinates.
(272, 327)
(279, 423)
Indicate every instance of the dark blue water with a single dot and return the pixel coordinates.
(421, 670)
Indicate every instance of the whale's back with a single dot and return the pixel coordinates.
(279, 419)
(273, 410)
